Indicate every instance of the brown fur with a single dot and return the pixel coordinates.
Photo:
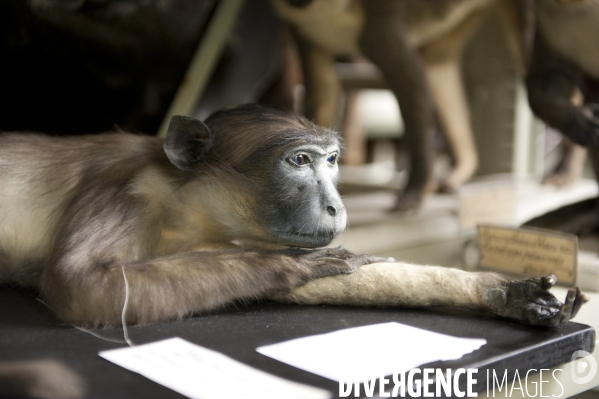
(562, 82)
(83, 215)
(565, 62)
(80, 212)
(88, 219)
(417, 46)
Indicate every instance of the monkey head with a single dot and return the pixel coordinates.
(272, 174)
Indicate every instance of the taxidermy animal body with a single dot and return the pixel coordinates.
(417, 45)
(80, 214)
(563, 82)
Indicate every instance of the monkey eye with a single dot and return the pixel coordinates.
(300, 159)
(332, 159)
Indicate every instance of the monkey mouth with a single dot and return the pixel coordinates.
(304, 239)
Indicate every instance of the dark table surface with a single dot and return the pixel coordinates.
(29, 330)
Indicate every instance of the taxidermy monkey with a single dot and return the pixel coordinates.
(417, 46)
(563, 82)
(87, 219)
(81, 214)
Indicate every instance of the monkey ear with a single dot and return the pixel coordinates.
(185, 140)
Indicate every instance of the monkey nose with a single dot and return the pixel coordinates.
(331, 210)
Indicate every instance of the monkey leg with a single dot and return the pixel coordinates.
(175, 286)
(579, 123)
(442, 58)
(446, 85)
(321, 82)
(569, 168)
(517, 18)
(551, 84)
(385, 42)
(406, 285)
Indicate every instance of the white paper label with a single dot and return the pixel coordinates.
(198, 372)
(363, 353)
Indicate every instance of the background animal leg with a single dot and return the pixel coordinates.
(442, 58)
(321, 83)
(385, 42)
(569, 169)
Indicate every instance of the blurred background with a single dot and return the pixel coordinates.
(89, 66)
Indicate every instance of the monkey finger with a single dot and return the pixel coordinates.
(538, 285)
(553, 314)
(329, 267)
(362, 260)
(548, 281)
(571, 297)
(533, 315)
(565, 312)
(540, 316)
(580, 300)
(547, 300)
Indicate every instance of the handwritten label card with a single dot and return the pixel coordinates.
(534, 252)
(198, 372)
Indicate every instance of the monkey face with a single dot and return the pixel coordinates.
(303, 205)
(267, 174)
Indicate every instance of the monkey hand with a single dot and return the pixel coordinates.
(584, 125)
(331, 261)
(530, 301)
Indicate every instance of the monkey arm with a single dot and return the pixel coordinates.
(406, 285)
(176, 286)
(552, 84)
(384, 41)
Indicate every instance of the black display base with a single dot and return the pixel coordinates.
(29, 330)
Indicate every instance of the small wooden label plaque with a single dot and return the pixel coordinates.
(530, 251)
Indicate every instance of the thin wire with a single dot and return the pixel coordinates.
(125, 331)
(118, 341)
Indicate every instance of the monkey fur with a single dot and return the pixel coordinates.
(406, 285)
(235, 208)
(80, 212)
(417, 45)
(563, 81)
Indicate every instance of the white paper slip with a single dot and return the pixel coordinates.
(363, 353)
(198, 372)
